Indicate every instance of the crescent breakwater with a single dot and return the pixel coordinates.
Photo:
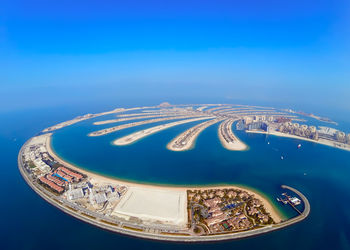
(152, 220)
(185, 214)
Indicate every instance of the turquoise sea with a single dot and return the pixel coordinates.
(322, 173)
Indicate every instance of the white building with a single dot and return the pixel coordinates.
(75, 194)
(100, 197)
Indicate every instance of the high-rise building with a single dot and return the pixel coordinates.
(304, 127)
(270, 118)
(312, 129)
(340, 136)
(258, 125)
(248, 120)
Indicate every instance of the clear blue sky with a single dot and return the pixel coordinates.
(56, 53)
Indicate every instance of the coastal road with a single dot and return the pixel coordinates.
(143, 231)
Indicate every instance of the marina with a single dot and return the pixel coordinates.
(289, 200)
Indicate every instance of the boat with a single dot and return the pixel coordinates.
(282, 157)
(299, 145)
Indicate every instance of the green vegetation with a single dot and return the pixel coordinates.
(31, 164)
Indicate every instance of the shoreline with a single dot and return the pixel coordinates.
(114, 228)
(274, 212)
(160, 211)
(237, 144)
(193, 137)
(113, 129)
(319, 141)
(138, 135)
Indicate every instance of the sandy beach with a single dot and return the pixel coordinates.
(96, 178)
(134, 118)
(189, 143)
(134, 124)
(146, 132)
(235, 144)
(319, 141)
(88, 116)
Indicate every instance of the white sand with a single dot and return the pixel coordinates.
(134, 124)
(96, 178)
(319, 141)
(194, 133)
(236, 144)
(133, 118)
(154, 205)
(143, 133)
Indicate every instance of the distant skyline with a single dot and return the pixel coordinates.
(57, 53)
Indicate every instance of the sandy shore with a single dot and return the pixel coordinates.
(192, 138)
(126, 140)
(135, 118)
(124, 119)
(319, 141)
(242, 111)
(165, 205)
(219, 108)
(88, 116)
(134, 124)
(151, 113)
(201, 108)
(96, 178)
(275, 215)
(236, 144)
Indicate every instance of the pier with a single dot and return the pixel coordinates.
(306, 210)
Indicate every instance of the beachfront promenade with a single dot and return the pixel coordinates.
(163, 214)
(155, 231)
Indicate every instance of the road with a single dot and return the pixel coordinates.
(118, 226)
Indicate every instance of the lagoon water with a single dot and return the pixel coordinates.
(322, 173)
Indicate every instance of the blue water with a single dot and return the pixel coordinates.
(31, 223)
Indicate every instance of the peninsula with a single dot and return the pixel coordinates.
(252, 119)
(186, 214)
(143, 133)
(228, 139)
(185, 140)
(134, 124)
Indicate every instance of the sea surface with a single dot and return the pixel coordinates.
(320, 172)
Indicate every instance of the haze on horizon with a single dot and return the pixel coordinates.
(55, 53)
